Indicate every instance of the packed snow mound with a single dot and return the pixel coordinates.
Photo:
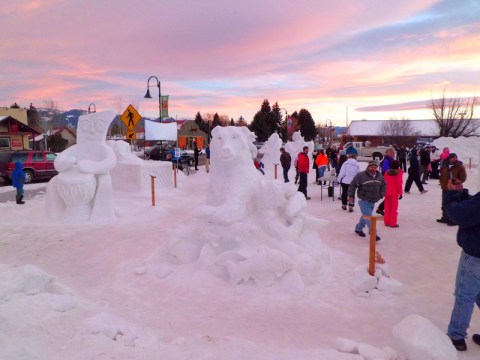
(366, 351)
(466, 148)
(27, 280)
(363, 284)
(270, 238)
(420, 339)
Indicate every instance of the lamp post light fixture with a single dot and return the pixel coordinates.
(94, 108)
(148, 96)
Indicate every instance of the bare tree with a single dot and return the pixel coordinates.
(454, 116)
(397, 127)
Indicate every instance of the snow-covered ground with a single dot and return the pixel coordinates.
(103, 291)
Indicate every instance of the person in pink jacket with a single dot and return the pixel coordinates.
(445, 154)
(394, 180)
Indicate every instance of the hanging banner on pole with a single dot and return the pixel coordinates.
(165, 106)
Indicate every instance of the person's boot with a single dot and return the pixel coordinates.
(21, 200)
(459, 344)
(350, 209)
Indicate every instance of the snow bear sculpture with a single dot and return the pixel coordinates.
(253, 228)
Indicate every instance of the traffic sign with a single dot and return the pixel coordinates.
(130, 117)
(131, 135)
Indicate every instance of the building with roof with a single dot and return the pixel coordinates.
(14, 134)
(374, 131)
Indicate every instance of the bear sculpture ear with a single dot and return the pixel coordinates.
(215, 130)
(249, 135)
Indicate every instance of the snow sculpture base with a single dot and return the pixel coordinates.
(136, 177)
(253, 230)
(77, 191)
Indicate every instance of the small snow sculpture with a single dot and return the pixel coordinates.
(253, 228)
(420, 339)
(83, 188)
(296, 145)
(271, 154)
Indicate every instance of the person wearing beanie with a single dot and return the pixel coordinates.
(370, 188)
(452, 169)
(394, 180)
(347, 172)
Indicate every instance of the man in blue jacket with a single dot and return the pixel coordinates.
(463, 210)
(18, 178)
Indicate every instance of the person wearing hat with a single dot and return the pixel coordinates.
(454, 170)
(370, 187)
(303, 166)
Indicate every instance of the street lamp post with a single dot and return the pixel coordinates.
(94, 108)
(148, 96)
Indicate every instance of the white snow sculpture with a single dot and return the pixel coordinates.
(296, 145)
(252, 228)
(83, 188)
(271, 155)
(134, 174)
(420, 339)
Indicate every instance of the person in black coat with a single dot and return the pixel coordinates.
(414, 174)
(196, 152)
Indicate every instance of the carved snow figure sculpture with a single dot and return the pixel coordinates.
(271, 155)
(83, 188)
(254, 229)
(295, 146)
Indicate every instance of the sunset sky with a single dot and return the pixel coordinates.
(379, 59)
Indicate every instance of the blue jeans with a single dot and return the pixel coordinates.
(366, 208)
(321, 170)
(467, 293)
(20, 191)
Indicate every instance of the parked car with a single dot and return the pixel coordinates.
(37, 164)
(163, 154)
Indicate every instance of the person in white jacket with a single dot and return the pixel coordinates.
(349, 169)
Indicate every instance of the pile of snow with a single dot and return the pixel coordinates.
(363, 284)
(466, 148)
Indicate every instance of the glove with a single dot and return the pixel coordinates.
(400, 197)
(350, 200)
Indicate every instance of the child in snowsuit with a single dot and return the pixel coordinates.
(394, 180)
(18, 178)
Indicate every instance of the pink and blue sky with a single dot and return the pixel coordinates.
(378, 58)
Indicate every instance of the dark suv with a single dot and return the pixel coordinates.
(36, 164)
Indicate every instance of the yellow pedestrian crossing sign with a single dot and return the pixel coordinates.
(130, 117)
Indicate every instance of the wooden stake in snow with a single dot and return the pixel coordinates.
(175, 175)
(153, 189)
(275, 171)
(373, 241)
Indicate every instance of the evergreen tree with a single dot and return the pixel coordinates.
(275, 119)
(265, 109)
(216, 120)
(307, 125)
(33, 118)
(232, 122)
(241, 122)
(260, 126)
(202, 124)
(57, 143)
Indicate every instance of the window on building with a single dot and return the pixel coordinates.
(5, 143)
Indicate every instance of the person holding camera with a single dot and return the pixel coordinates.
(462, 209)
(453, 170)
